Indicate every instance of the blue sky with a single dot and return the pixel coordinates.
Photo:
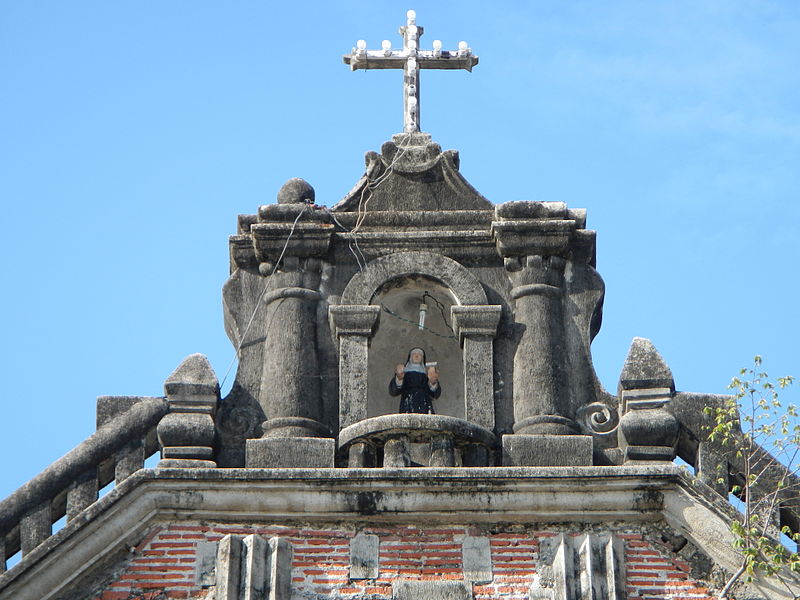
(133, 133)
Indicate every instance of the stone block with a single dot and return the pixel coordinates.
(280, 568)
(290, 452)
(477, 557)
(547, 450)
(228, 568)
(431, 590)
(364, 556)
(205, 565)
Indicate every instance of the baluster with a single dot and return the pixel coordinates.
(475, 455)
(396, 452)
(361, 454)
(82, 493)
(129, 460)
(36, 526)
(442, 451)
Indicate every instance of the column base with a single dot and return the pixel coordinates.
(297, 452)
(649, 453)
(547, 450)
(185, 463)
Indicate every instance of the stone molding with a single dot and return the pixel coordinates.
(357, 320)
(464, 285)
(469, 321)
(641, 493)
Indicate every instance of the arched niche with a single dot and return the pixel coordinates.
(398, 331)
(397, 278)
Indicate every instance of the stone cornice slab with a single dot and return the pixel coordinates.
(105, 531)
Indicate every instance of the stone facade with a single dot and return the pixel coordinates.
(531, 481)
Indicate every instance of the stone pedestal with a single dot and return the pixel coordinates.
(297, 452)
(544, 450)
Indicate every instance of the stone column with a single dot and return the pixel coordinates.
(540, 405)
(294, 434)
(354, 326)
(290, 386)
(476, 328)
(545, 433)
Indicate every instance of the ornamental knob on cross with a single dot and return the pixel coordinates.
(411, 59)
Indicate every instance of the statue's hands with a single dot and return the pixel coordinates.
(433, 376)
(399, 372)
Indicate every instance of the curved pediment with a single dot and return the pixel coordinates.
(412, 173)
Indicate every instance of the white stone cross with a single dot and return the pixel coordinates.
(411, 59)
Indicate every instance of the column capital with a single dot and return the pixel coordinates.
(475, 320)
(353, 319)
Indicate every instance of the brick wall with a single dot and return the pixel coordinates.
(163, 565)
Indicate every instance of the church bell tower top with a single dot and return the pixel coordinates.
(411, 58)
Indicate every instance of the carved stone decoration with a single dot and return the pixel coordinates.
(253, 568)
(474, 319)
(186, 433)
(414, 174)
(646, 387)
(601, 421)
(583, 567)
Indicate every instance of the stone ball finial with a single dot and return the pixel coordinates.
(296, 191)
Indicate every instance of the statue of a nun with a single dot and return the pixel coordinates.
(416, 385)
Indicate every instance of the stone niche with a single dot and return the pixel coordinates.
(398, 331)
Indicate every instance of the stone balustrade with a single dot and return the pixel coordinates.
(115, 451)
(405, 440)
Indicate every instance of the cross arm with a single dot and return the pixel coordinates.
(377, 59)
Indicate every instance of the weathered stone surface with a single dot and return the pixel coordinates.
(585, 566)
(81, 462)
(290, 452)
(353, 325)
(290, 384)
(477, 556)
(547, 450)
(188, 431)
(540, 402)
(364, 556)
(415, 175)
(228, 569)
(193, 380)
(205, 565)
(279, 568)
(296, 191)
(431, 590)
(644, 368)
(518, 494)
(442, 436)
(254, 580)
(397, 452)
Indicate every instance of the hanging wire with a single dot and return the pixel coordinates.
(441, 310)
(425, 327)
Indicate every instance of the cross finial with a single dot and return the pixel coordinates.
(411, 59)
